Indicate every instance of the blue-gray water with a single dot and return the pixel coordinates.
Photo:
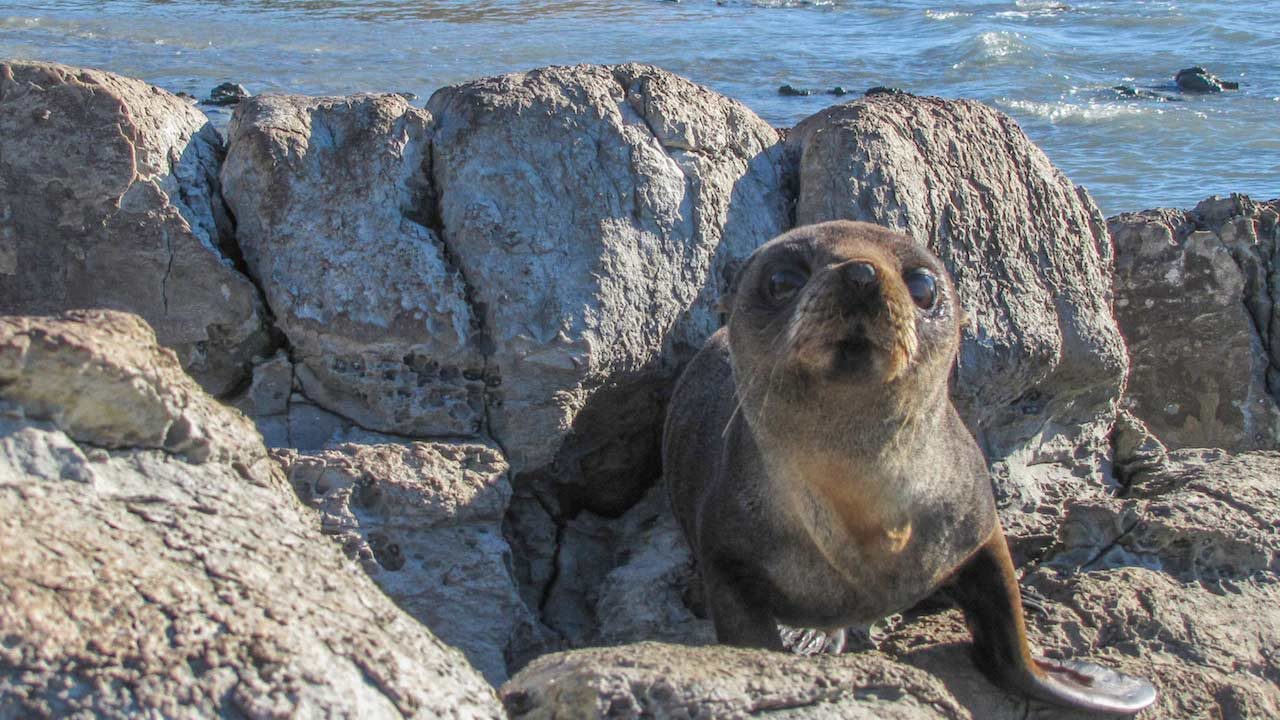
(1051, 65)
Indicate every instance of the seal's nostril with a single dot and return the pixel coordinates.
(859, 276)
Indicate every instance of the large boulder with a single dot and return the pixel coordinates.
(109, 199)
(1042, 363)
(1195, 298)
(154, 561)
(597, 214)
(330, 196)
(425, 521)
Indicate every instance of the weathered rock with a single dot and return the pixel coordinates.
(1187, 583)
(329, 195)
(1195, 298)
(597, 214)
(109, 198)
(651, 591)
(101, 378)
(673, 681)
(1136, 452)
(171, 578)
(228, 93)
(1042, 362)
(425, 521)
(602, 581)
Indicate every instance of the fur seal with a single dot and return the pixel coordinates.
(821, 474)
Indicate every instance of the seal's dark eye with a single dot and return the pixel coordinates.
(785, 283)
(923, 288)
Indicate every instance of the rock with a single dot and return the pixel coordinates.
(673, 681)
(651, 592)
(883, 90)
(102, 379)
(1198, 80)
(227, 93)
(602, 581)
(375, 312)
(425, 521)
(1183, 575)
(597, 213)
(109, 198)
(171, 577)
(1136, 452)
(1042, 361)
(1194, 298)
(792, 91)
(838, 91)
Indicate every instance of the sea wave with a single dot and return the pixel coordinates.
(1079, 113)
(945, 14)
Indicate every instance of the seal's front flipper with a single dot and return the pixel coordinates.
(987, 590)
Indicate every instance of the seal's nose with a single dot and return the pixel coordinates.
(860, 278)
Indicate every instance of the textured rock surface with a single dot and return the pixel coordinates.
(1196, 299)
(109, 198)
(425, 521)
(178, 579)
(1188, 582)
(328, 194)
(596, 213)
(102, 379)
(602, 581)
(672, 681)
(652, 591)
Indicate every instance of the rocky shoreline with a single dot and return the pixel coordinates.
(438, 341)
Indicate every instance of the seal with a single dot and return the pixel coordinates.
(823, 477)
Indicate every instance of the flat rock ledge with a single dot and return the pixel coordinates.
(656, 680)
(149, 569)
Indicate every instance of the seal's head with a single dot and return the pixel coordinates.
(843, 316)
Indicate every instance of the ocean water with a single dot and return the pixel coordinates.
(1050, 65)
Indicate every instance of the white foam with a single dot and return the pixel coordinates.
(1084, 113)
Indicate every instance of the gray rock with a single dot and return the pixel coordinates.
(1042, 362)
(602, 581)
(652, 680)
(102, 379)
(1183, 577)
(109, 199)
(158, 580)
(1136, 452)
(1195, 299)
(329, 195)
(425, 521)
(228, 93)
(597, 214)
(651, 592)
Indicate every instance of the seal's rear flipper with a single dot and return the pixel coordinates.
(986, 588)
(1084, 684)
